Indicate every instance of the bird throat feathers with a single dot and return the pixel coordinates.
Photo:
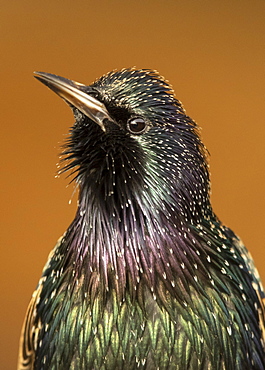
(129, 187)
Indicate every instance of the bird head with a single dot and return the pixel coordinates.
(133, 144)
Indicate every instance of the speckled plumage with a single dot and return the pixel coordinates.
(146, 276)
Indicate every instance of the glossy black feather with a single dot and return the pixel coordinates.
(146, 276)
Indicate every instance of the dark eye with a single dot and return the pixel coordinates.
(136, 125)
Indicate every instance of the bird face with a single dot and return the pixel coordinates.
(132, 143)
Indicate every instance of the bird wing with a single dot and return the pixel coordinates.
(256, 284)
(261, 311)
(29, 333)
(32, 325)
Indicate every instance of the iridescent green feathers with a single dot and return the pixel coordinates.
(146, 276)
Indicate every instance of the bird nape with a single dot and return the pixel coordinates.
(146, 276)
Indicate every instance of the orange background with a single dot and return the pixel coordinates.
(213, 52)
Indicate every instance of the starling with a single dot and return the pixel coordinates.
(146, 276)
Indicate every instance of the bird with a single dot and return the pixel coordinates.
(146, 276)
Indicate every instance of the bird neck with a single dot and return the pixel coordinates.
(122, 248)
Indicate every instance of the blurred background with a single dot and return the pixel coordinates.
(212, 52)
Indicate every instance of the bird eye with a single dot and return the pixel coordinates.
(136, 125)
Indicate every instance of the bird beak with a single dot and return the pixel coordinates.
(70, 91)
